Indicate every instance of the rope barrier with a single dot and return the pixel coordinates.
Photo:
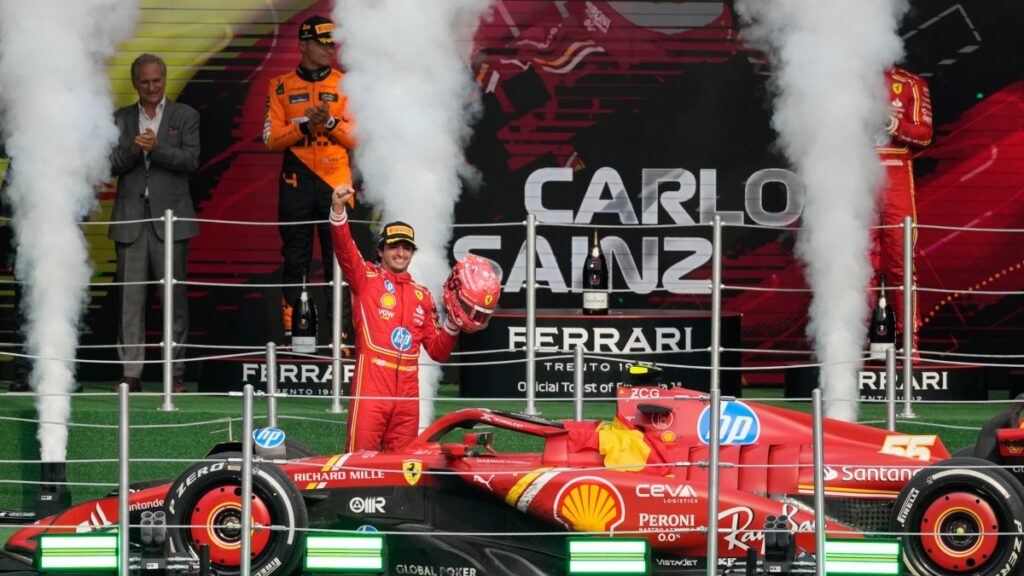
(560, 354)
(916, 225)
(960, 292)
(969, 229)
(248, 285)
(620, 226)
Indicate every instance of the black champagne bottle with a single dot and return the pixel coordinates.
(882, 329)
(304, 323)
(595, 280)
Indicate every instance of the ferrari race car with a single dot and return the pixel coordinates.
(452, 504)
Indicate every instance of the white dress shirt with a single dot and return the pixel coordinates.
(151, 123)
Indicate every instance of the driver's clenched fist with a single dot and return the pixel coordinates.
(342, 195)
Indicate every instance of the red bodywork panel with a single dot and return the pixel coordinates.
(766, 457)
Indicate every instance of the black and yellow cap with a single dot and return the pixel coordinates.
(317, 28)
(397, 231)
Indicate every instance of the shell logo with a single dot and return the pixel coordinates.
(387, 300)
(589, 504)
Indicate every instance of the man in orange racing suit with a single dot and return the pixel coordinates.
(910, 125)
(392, 316)
(306, 119)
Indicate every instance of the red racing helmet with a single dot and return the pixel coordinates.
(471, 293)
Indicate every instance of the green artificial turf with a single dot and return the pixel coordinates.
(202, 421)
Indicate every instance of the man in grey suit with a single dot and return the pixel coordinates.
(157, 150)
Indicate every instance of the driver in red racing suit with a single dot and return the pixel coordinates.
(392, 316)
(910, 126)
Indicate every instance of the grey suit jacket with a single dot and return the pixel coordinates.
(170, 163)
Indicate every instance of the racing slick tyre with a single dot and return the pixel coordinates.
(961, 516)
(965, 451)
(204, 507)
(296, 450)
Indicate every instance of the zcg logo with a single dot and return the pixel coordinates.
(738, 424)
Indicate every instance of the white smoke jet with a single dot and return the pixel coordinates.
(59, 128)
(410, 90)
(829, 59)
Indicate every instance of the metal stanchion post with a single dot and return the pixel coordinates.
(714, 431)
(577, 391)
(908, 317)
(123, 493)
(531, 315)
(819, 484)
(271, 384)
(890, 389)
(337, 297)
(245, 557)
(716, 303)
(714, 427)
(168, 404)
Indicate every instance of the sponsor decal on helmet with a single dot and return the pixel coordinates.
(738, 424)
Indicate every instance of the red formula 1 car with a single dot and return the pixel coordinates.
(464, 508)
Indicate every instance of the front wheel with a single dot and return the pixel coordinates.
(204, 506)
(959, 517)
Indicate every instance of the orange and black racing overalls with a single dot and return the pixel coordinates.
(315, 162)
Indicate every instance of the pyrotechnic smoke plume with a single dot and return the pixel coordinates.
(828, 61)
(58, 127)
(411, 92)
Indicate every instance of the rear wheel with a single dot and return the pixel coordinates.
(965, 451)
(204, 507)
(959, 518)
(295, 449)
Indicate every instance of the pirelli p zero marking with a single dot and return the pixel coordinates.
(206, 508)
(961, 516)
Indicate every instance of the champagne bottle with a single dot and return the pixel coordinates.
(304, 323)
(595, 281)
(882, 330)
